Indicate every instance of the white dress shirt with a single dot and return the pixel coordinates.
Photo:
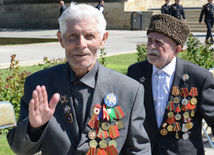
(161, 85)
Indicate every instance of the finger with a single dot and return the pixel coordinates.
(35, 98)
(40, 95)
(45, 98)
(31, 107)
(53, 102)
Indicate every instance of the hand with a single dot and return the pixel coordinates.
(199, 22)
(40, 112)
(185, 20)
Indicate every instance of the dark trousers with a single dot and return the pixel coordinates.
(209, 30)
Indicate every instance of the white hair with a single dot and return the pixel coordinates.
(81, 12)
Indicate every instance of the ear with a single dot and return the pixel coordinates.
(105, 37)
(177, 50)
(60, 39)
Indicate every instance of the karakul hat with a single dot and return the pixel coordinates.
(171, 27)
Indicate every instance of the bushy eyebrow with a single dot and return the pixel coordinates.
(160, 40)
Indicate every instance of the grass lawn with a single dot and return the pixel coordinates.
(5, 148)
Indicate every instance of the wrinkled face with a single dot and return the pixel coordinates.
(160, 49)
(177, 1)
(81, 42)
(210, 1)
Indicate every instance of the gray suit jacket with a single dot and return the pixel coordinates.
(198, 77)
(61, 137)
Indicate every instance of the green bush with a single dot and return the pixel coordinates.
(141, 52)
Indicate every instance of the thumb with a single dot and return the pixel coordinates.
(54, 100)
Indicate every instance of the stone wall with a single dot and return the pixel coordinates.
(45, 15)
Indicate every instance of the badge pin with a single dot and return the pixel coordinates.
(142, 79)
(96, 109)
(110, 100)
(67, 109)
(184, 101)
(92, 134)
(69, 117)
(185, 77)
(63, 99)
(185, 136)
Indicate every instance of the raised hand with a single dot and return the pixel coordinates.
(40, 112)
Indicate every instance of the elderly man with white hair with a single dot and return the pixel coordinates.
(81, 107)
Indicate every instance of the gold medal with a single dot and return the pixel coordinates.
(178, 117)
(112, 142)
(105, 126)
(163, 132)
(176, 100)
(192, 113)
(119, 124)
(176, 135)
(189, 125)
(169, 128)
(103, 144)
(186, 115)
(92, 134)
(170, 114)
(93, 143)
(193, 101)
(69, 117)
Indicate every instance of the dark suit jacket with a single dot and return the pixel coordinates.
(208, 10)
(177, 11)
(165, 9)
(62, 9)
(61, 137)
(198, 77)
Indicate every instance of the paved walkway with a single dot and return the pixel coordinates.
(119, 42)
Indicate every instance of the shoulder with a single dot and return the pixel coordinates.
(139, 65)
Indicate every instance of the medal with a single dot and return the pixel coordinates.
(176, 135)
(193, 101)
(170, 114)
(170, 107)
(193, 93)
(184, 94)
(178, 117)
(69, 117)
(169, 128)
(185, 77)
(92, 134)
(63, 99)
(142, 79)
(175, 92)
(184, 129)
(119, 124)
(186, 114)
(111, 150)
(102, 134)
(176, 100)
(93, 143)
(176, 128)
(105, 125)
(103, 144)
(112, 142)
(189, 125)
(113, 132)
(110, 100)
(184, 101)
(164, 131)
(192, 113)
(67, 109)
(96, 109)
(185, 136)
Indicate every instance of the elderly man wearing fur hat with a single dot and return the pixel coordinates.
(178, 94)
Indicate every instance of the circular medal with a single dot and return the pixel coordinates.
(93, 143)
(185, 136)
(192, 113)
(163, 132)
(164, 125)
(169, 128)
(92, 134)
(103, 144)
(185, 77)
(193, 101)
(119, 124)
(105, 125)
(112, 142)
(110, 100)
(184, 101)
(176, 100)
(176, 135)
(189, 125)
(178, 117)
(186, 114)
(96, 109)
(170, 114)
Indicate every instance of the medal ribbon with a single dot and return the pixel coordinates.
(184, 92)
(101, 151)
(175, 91)
(112, 114)
(170, 120)
(184, 107)
(102, 134)
(176, 127)
(111, 150)
(113, 132)
(178, 109)
(94, 123)
(193, 92)
(91, 151)
(119, 112)
(170, 106)
(187, 119)
(105, 113)
(100, 116)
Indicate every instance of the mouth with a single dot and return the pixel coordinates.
(153, 54)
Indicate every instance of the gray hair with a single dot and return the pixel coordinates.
(82, 12)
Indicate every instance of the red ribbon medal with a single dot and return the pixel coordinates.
(91, 151)
(105, 113)
(111, 150)
(102, 134)
(119, 112)
(101, 151)
(113, 132)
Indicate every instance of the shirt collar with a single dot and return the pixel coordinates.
(89, 79)
(168, 69)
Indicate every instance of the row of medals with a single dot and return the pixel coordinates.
(178, 117)
(103, 144)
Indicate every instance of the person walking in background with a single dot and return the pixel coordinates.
(178, 94)
(63, 8)
(177, 11)
(100, 6)
(208, 10)
(165, 7)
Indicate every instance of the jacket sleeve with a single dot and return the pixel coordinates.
(201, 15)
(183, 13)
(207, 102)
(137, 142)
(18, 138)
(162, 11)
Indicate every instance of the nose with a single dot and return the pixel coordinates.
(151, 45)
(82, 42)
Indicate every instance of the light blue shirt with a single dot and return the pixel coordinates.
(161, 85)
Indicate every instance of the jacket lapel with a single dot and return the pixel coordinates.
(103, 87)
(62, 85)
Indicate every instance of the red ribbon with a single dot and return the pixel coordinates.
(187, 119)
(170, 106)
(170, 120)
(119, 112)
(102, 134)
(113, 132)
(91, 151)
(178, 109)
(111, 150)
(101, 151)
(176, 127)
(105, 113)
(193, 92)
(94, 123)
(184, 92)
